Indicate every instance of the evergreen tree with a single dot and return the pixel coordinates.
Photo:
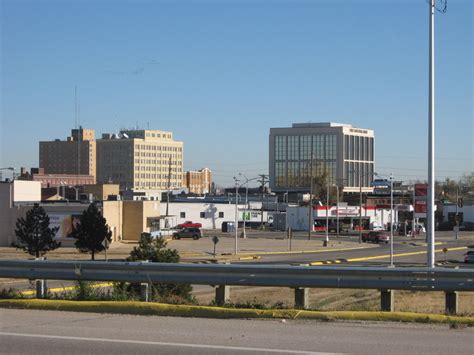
(154, 250)
(91, 232)
(33, 233)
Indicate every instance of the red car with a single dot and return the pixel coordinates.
(190, 224)
(376, 237)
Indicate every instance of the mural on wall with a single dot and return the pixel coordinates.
(66, 223)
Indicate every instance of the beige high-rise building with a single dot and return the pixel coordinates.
(74, 156)
(140, 159)
(199, 182)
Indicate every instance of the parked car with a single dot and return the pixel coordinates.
(194, 233)
(376, 237)
(189, 224)
(469, 257)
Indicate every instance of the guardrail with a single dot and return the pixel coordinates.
(222, 276)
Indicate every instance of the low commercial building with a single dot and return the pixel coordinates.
(126, 219)
(297, 217)
(211, 215)
(101, 192)
(56, 180)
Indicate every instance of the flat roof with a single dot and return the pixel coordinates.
(320, 124)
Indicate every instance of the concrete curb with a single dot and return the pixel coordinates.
(159, 309)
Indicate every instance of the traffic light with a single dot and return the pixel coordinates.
(460, 202)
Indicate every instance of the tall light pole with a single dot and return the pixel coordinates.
(431, 142)
(431, 137)
(246, 199)
(391, 220)
(360, 200)
(326, 240)
(360, 208)
(310, 203)
(337, 211)
(236, 213)
(391, 217)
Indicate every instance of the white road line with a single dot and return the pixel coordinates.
(142, 342)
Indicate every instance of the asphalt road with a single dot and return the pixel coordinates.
(408, 253)
(50, 332)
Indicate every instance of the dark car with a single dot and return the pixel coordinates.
(194, 233)
(469, 257)
(376, 237)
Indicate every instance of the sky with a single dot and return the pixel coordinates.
(220, 74)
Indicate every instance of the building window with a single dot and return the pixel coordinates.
(221, 214)
(202, 215)
(182, 214)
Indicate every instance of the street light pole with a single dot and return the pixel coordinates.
(457, 213)
(337, 210)
(310, 204)
(246, 202)
(430, 235)
(391, 220)
(236, 214)
(360, 209)
(326, 241)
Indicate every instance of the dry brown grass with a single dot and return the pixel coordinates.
(345, 299)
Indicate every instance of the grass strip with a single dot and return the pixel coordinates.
(160, 309)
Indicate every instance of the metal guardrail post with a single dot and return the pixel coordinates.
(144, 292)
(41, 290)
(387, 300)
(222, 294)
(41, 285)
(452, 302)
(301, 297)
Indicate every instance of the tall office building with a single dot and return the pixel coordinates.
(140, 160)
(198, 182)
(341, 151)
(74, 156)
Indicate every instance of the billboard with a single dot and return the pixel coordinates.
(65, 221)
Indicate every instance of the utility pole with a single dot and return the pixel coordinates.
(236, 214)
(263, 182)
